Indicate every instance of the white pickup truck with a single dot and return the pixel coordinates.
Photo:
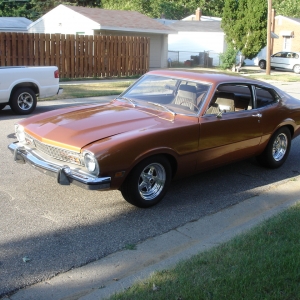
(20, 87)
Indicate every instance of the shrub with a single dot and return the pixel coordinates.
(228, 58)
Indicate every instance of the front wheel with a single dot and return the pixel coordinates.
(23, 101)
(277, 149)
(147, 183)
(296, 69)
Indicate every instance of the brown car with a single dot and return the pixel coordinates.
(169, 124)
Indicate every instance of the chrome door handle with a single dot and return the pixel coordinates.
(257, 115)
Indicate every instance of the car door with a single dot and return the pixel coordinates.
(279, 60)
(293, 59)
(233, 132)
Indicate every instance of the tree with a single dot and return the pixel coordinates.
(13, 8)
(170, 9)
(212, 8)
(287, 8)
(245, 25)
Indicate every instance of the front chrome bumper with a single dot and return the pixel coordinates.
(64, 174)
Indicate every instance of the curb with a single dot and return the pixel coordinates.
(118, 271)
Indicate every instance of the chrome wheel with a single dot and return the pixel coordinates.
(151, 181)
(277, 150)
(279, 147)
(25, 101)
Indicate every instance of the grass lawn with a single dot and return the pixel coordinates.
(286, 77)
(84, 89)
(261, 264)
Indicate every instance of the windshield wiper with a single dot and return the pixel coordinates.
(163, 106)
(129, 100)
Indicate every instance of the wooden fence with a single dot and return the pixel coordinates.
(77, 55)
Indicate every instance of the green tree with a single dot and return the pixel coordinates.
(170, 9)
(13, 8)
(245, 25)
(212, 8)
(287, 8)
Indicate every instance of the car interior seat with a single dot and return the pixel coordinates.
(225, 101)
(221, 102)
(186, 96)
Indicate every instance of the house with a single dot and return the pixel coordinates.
(285, 36)
(288, 31)
(196, 34)
(67, 19)
(14, 24)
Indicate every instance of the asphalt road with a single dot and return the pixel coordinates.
(58, 228)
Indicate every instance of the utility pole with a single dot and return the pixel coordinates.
(268, 67)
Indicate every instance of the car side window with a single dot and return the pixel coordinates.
(265, 97)
(280, 54)
(230, 98)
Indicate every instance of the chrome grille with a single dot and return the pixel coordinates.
(55, 152)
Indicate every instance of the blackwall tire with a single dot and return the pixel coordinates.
(262, 64)
(23, 101)
(148, 182)
(277, 149)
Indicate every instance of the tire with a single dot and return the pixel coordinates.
(262, 64)
(2, 106)
(148, 182)
(23, 101)
(277, 149)
(296, 69)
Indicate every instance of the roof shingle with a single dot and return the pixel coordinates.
(120, 19)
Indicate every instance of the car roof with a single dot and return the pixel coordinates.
(212, 78)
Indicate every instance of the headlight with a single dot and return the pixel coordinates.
(91, 162)
(19, 130)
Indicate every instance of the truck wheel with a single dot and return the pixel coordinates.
(2, 106)
(147, 183)
(277, 149)
(23, 101)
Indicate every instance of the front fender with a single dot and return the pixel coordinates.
(119, 154)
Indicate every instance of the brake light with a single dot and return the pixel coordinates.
(56, 74)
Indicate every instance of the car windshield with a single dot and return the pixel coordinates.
(174, 95)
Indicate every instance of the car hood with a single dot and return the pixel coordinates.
(77, 127)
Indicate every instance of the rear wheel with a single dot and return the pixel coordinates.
(277, 149)
(147, 183)
(296, 69)
(23, 101)
(262, 64)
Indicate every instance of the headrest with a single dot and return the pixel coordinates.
(225, 95)
(187, 88)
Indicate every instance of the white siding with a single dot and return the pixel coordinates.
(63, 20)
(66, 21)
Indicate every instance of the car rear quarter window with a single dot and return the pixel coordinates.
(265, 97)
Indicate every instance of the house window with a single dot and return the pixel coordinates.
(287, 42)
